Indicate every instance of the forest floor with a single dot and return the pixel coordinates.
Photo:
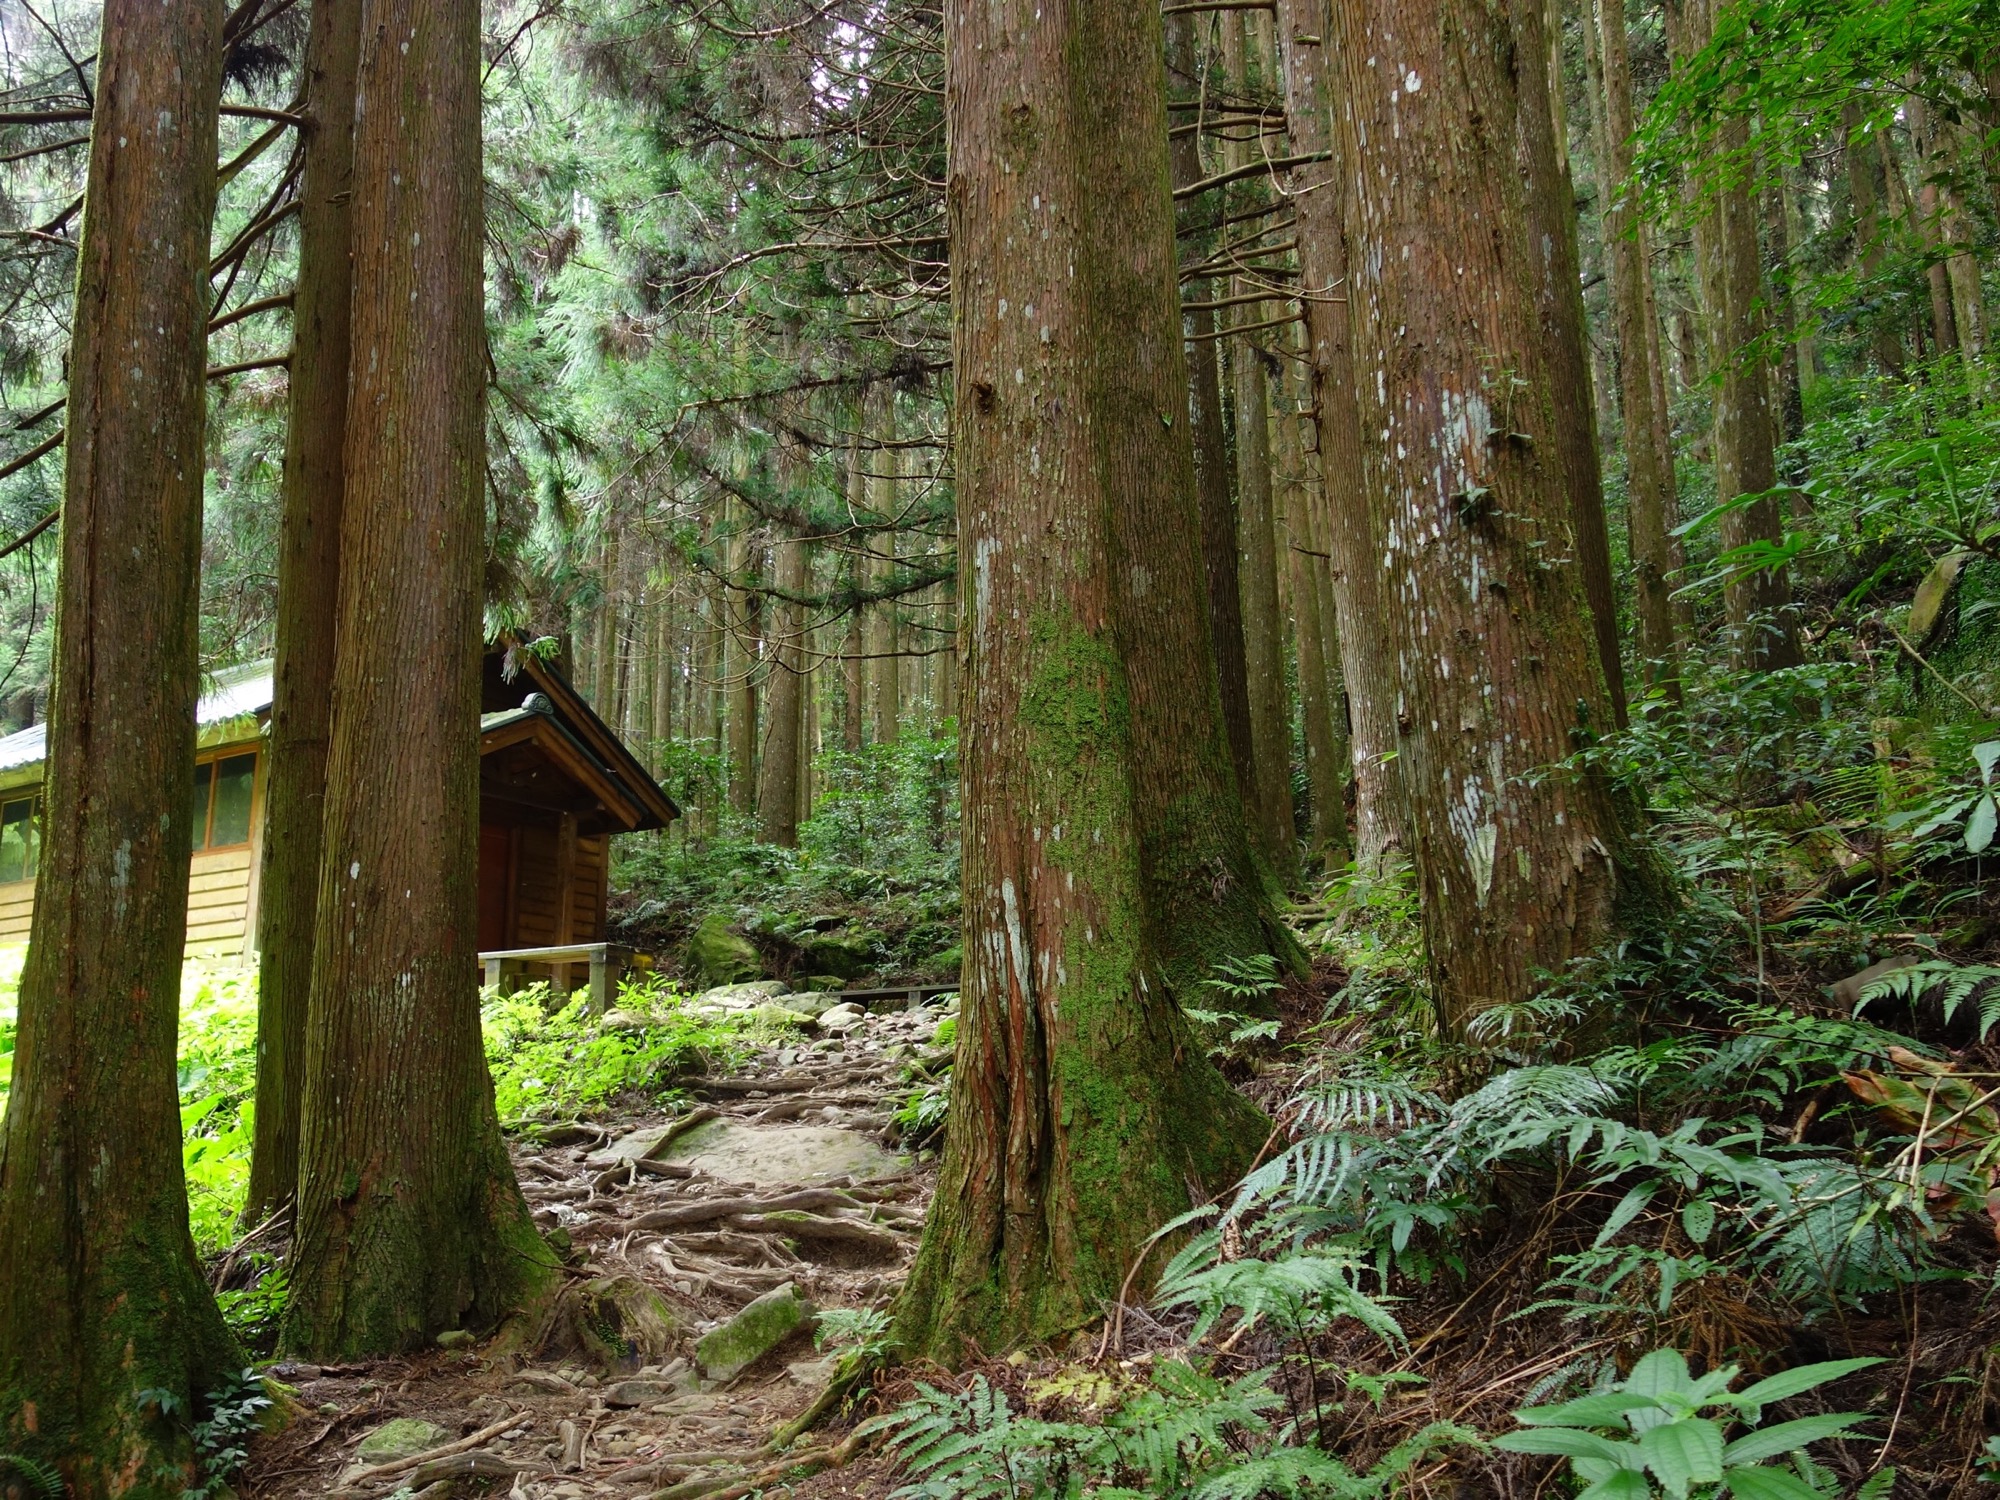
(778, 1179)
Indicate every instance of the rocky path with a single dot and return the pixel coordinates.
(702, 1248)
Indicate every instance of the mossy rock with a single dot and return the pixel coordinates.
(728, 1351)
(845, 955)
(404, 1437)
(719, 956)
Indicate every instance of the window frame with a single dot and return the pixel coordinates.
(211, 765)
(34, 801)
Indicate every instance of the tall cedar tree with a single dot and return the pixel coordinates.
(101, 1298)
(308, 595)
(1756, 601)
(409, 1218)
(1082, 1112)
(1224, 599)
(1460, 381)
(1649, 452)
(1367, 668)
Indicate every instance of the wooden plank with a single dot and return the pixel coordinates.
(566, 878)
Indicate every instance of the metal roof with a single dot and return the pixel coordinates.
(233, 693)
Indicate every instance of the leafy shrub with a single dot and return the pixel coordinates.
(1664, 1439)
(548, 1066)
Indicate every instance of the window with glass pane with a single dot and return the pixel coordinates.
(235, 779)
(17, 840)
(204, 784)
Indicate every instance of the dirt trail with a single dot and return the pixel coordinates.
(781, 1178)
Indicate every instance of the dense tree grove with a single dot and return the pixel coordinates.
(1404, 595)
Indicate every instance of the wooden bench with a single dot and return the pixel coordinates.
(607, 966)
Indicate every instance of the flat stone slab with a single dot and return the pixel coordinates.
(769, 1155)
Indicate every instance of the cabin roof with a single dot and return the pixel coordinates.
(545, 710)
(242, 692)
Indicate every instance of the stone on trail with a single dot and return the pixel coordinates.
(842, 1017)
(728, 1351)
(773, 1155)
(720, 956)
(740, 996)
(810, 1002)
(405, 1437)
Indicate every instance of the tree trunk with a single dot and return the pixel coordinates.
(1574, 404)
(1863, 171)
(885, 667)
(1757, 602)
(1649, 455)
(101, 1299)
(1083, 1116)
(409, 1219)
(308, 597)
(1263, 618)
(740, 670)
(785, 701)
(1319, 695)
(1953, 234)
(853, 663)
(1224, 612)
(1460, 386)
(1367, 659)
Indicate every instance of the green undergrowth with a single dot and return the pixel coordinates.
(563, 1064)
(1692, 1161)
(545, 1066)
(876, 864)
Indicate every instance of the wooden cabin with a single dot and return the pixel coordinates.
(556, 785)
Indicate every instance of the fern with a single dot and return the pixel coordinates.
(1953, 985)
(43, 1481)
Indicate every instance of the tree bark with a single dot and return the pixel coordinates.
(785, 702)
(1263, 619)
(308, 599)
(101, 1298)
(1367, 659)
(1757, 602)
(1649, 455)
(853, 663)
(739, 666)
(1224, 597)
(409, 1219)
(885, 666)
(1461, 379)
(1320, 708)
(1082, 1113)
(1864, 197)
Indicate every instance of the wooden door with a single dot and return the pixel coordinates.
(496, 869)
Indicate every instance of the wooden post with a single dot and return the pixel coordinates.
(565, 898)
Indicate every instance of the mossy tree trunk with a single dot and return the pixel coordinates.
(409, 1218)
(308, 597)
(1520, 870)
(1082, 1111)
(101, 1298)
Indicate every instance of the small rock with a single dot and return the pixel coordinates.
(455, 1338)
(752, 1333)
(628, 1393)
(841, 1018)
(812, 1373)
(294, 1373)
(810, 1002)
(622, 1020)
(401, 1438)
